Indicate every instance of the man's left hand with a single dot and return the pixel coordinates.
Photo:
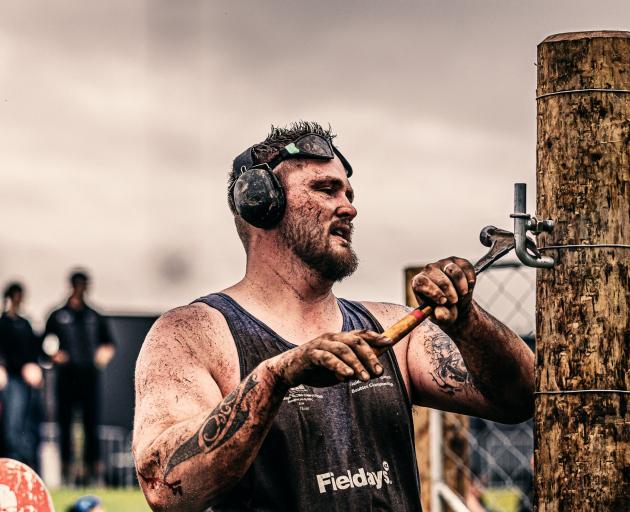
(448, 284)
(103, 355)
(32, 375)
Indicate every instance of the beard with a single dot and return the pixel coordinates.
(311, 243)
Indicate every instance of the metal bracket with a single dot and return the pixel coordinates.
(524, 222)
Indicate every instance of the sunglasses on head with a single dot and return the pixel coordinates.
(311, 145)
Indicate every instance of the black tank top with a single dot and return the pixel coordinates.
(348, 447)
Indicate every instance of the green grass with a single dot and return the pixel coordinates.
(114, 500)
(132, 500)
(502, 500)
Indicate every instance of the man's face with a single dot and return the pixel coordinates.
(81, 286)
(317, 225)
(17, 297)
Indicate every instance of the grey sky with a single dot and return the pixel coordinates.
(119, 120)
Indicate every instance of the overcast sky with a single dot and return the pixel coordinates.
(119, 121)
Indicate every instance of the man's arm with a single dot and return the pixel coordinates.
(61, 356)
(189, 439)
(106, 347)
(4, 376)
(192, 443)
(472, 363)
(485, 374)
(466, 362)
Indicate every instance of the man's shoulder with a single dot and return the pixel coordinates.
(90, 308)
(193, 335)
(385, 312)
(197, 319)
(60, 313)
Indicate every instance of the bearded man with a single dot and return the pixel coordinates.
(243, 403)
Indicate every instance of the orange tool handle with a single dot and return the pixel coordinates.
(408, 323)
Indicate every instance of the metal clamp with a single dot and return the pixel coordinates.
(524, 222)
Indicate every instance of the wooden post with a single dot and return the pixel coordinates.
(582, 450)
(455, 437)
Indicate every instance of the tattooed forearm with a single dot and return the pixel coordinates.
(447, 365)
(218, 428)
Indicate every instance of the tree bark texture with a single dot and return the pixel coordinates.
(582, 452)
(455, 436)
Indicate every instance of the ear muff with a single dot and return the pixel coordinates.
(259, 197)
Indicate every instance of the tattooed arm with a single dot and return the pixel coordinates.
(197, 429)
(471, 363)
(488, 376)
(194, 439)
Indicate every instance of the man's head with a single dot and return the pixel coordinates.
(79, 280)
(14, 292)
(316, 226)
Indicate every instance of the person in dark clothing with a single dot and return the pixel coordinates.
(19, 352)
(276, 395)
(85, 347)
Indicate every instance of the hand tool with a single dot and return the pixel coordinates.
(500, 242)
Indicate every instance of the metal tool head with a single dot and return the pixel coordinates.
(500, 242)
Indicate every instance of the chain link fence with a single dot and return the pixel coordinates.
(497, 463)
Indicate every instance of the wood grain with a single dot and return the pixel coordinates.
(582, 452)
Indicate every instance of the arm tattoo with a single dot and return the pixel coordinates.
(218, 428)
(447, 365)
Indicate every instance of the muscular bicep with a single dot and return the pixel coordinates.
(173, 383)
(438, 374)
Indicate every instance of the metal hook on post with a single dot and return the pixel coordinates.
(524, 222)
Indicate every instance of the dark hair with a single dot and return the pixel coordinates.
(267, 149)
(11, 289)
(78, 276)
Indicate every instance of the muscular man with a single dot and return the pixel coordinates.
(243, 403)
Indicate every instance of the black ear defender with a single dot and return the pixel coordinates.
(258, 195)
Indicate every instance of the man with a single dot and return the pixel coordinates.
(243, 403)
(85, 348)
(22, 377)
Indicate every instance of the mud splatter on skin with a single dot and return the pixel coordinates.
(155, 483)
(307, 235)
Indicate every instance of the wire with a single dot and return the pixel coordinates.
(571, 91)
(582, 391)
(584, 246)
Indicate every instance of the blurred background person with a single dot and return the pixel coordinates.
(21, 378)
(85, 348)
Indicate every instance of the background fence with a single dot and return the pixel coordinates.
(487, 463)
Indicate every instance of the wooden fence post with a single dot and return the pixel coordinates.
(582, 422)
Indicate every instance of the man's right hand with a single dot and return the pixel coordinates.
(331, 358)
(60, 357)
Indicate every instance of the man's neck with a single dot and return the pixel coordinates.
(76, 301)
(283, 283)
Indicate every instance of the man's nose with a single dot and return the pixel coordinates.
(347, 210)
